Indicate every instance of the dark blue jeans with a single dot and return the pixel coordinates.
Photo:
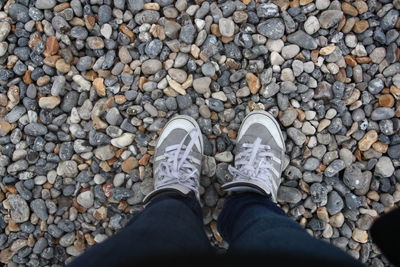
(250, 223)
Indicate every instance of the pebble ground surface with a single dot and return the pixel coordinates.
(87, 85)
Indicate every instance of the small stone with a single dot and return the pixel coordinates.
(353, 177)
(124, 140)
(224, 156)
(311, 25)
(95, 42)
(19, 208)
(322, 4)
(62, 66)
(297, 136)
(366, 142)
(267, 10)
(253, 82)
(335, 167)
(19, 12)
(384, 167)
(35, 129)
(52, 46)
(389, 20)
(68, 168)
(290, 51)
(202, 85)
(85, 199)
(98, 84)
(360, 236)
(303, 40)
(45, 4)
(178, 75)
(288, 194)
(151, 66)
(350, 10)
(386, 101)
(5, 128)
(188, 33)
(288, 117)
(330, 18)
(335, 203)
(375, 86)
(327, 50)
(49, 102)
(129, 164)
(226, 27)
(104, 152)
(38, 206)
(5, 29)
(272, 28)
(360, 26)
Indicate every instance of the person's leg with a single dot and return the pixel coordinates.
(251, 223)
(168, 225)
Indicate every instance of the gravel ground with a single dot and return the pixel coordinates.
(87, 85)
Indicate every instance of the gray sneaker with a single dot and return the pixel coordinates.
(259, 154)
(177, 159)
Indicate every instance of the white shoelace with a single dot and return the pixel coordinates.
(254, 163)
(177, 165)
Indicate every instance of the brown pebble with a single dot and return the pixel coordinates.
(27, 77)
(3, 100)
(253, 82)
(386, 100)
(98, 84)
(62, 66)
(363, 60)
(52, 46)
(361, 6)
(125, 30)
(90, 21)
(51, 60)
(144, 161)
(380, 147)
(215, 30)
(129, 164)
(13, 226)
(349, 9)
(360, 26)
(350, 60)
(395, 91)
(61, 7)
(369, 138)
(120, 99)
(107, 189)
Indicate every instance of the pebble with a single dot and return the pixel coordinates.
(288, 194)
(19, 208)
(85, 199)
(45, 4)
(311, 25)
(151, 66)
(272, 28)
(201, 85)
(384, 167)
(303, 40)
(38, 206)
(49, 102)
(360, 236)
(330, 18)
(226, 27)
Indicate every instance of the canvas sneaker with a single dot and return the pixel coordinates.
(177, 159)
(259, 155)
